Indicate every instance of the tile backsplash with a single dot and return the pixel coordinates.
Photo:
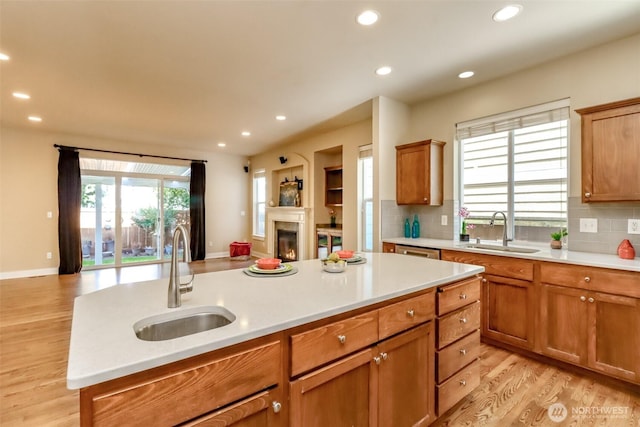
(612, 224)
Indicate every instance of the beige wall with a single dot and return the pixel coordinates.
(604, 74)
(28, 190)
(303, 153)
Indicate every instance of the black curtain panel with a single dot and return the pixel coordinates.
(196, 210)
(69, 195)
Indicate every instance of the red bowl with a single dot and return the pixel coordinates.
(268, 263)
(345, 254)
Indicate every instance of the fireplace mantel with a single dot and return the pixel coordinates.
(287, 214)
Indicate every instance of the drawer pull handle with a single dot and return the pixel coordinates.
(463, 296)
(591, 300)
(342, 338)
(463, 383)
(484, 280)
(411, 313)
(384, 356)
(463, 320)
(463, 352)
(377, 359)
(587, 194)
(583, 298)
(587, 279)
(277, 406)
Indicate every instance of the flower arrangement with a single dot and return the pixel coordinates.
(464, 214)
(332, 215)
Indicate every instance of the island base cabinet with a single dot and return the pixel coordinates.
(262, 410)
(406, 383)
(337, 395)
(390, 384)
(183, 391)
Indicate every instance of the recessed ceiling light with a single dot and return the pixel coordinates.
(221, 144)
(4, 57)
(281, 118)
(246, 133)
(383, 71)
(507, 12)
(21, 95)
(466, 74)
(35, 119)
(368, 17)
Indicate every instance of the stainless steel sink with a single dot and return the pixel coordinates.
(502, 248)
(182, 323)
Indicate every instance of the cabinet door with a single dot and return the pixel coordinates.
(419, 178)
(412, 179)
(406, 378)
(262, 410)
(563, 323)
(508, 310)
(610, 150)
(614, 335)
(341, 394)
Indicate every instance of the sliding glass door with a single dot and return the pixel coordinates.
(129, 217)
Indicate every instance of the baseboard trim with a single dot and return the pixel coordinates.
(28, 273)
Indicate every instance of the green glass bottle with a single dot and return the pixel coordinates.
(415, 232)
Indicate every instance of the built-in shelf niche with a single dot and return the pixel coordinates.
(333, 186)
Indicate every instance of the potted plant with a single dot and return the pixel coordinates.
(463, 213)
(332, 216)
(556, 238)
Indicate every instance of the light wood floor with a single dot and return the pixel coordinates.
(35, 323)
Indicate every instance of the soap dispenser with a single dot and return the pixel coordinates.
(415, 233)
(407, 228)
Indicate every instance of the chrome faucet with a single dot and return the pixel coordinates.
(175, 287)
(504, 232)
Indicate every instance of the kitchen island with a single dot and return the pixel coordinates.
(272, 347)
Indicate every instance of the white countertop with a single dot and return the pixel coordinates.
(104, 345)
(545, 253)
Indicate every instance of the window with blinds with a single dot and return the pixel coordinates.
(517, 163)
(259, 202)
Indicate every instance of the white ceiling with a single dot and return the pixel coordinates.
(194, 73)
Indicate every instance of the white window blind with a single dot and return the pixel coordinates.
(517, 163)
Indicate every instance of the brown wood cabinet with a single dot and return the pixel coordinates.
(458, 342)
(419, 169)
(333, 186)
(207, 382)
(579, 325)
(388, 247)
(508, 297)
(610, 151)
(586, 316)
(368, 387)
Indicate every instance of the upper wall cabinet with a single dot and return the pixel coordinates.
(419, 173)
(610, 152)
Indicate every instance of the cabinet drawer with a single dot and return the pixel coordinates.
(458, 295)
(504, 266)
(405, 314)
(457, 387)
(206, 388)
(326, 343)
(458, 324)
(596, 279)
(457, 355)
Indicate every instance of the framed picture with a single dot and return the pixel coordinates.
(289, 194)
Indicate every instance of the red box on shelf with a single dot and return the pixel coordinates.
(240, 251)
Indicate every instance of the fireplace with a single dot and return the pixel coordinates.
(287, 245)
(286, 232)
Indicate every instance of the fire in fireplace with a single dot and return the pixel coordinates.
(287, 241)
